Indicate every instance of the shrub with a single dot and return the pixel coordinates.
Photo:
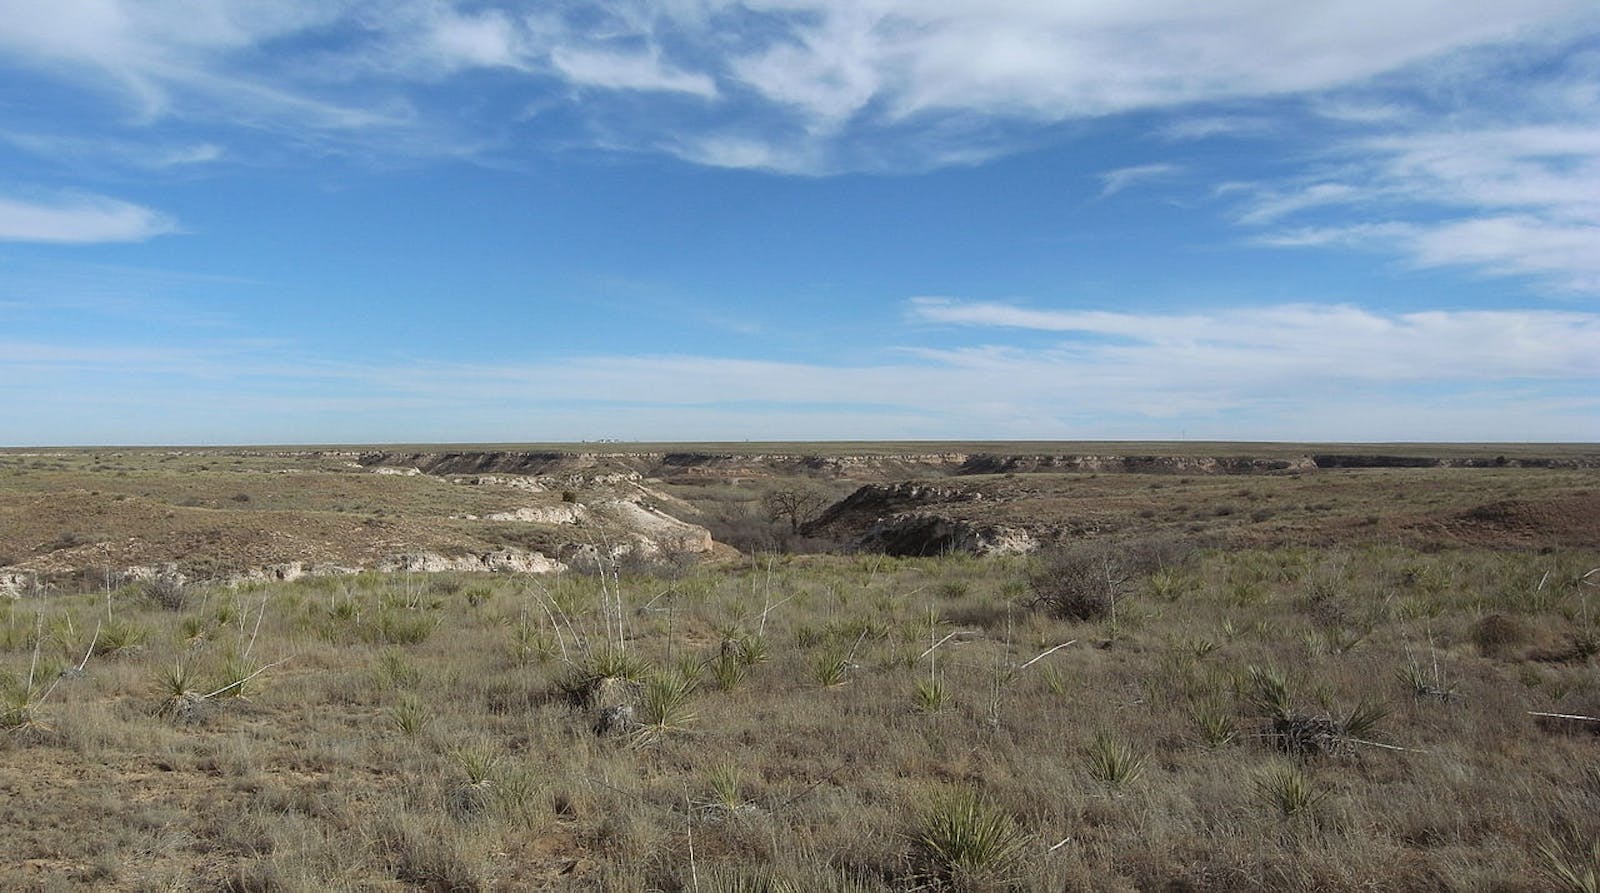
(1085, 582)
(168, 592)
(1079, 584)
(1497, 635)
(605, 678)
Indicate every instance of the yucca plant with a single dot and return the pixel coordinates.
(1363, 719)
(932, 695)
(1214, 723)
(748, 880)
(808, 636)
(347, 610)
(964, 839)
(831, 669)
(396, 670)
(1288, 789)
(689, 667)
(403, 627)
(192, 630)
(175, 686)
(747, 648)
(1114, 762)
(664, 707)
(19, 710)
(1167, 584)
(724, 781)
(238, 671)
(1570, 869)
(476, 761)
(119, 638)
(1269, 691)
(1426, 684)
(1053, 680)
(727, 671)
(530, 642)
(409, 716)
(1200, 647)
(474, 790)
(603, 678)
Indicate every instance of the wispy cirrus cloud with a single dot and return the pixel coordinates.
(1505, 190)
(1210, 126)
(827, 85)
(79, 219)
(629, 71)
(1306, 342)
(1114, 181)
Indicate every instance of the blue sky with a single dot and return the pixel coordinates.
(398, 221)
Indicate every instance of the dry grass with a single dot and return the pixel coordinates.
(792, 723)
(1132, 761)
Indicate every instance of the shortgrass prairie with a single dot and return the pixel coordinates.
(1357, 717)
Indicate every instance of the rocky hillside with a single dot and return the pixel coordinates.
(244, 514)
(680, 465)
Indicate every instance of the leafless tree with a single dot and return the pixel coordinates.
(793, 504)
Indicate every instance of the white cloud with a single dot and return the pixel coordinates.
(852, 84)
(1570, 252)
(80, 219)
(1117, 180)
(1314, 342)
(1054, 60)
(147, 155)
(1508, 199)
(1268, 207)
(829, 70)
(200, 153)
(749, 153)
(628, 71)
(487, 40)
(1217, 125)
(1276, 372)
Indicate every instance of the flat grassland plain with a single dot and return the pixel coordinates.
(801, 667)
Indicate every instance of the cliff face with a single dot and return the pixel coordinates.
(698, 465)
(217, 513)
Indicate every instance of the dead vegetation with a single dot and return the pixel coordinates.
(1183, 712)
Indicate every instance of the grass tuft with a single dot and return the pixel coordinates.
(932, 696)
(1289, 790)
(1114, 762)
(964, 840)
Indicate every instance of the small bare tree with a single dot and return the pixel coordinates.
(1085, 581)
(793, 504)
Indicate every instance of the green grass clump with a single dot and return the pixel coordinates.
(665, 706)
(1288, 789)
(964, 840)
(831, 669)
(932, 695)
(1114, 762)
